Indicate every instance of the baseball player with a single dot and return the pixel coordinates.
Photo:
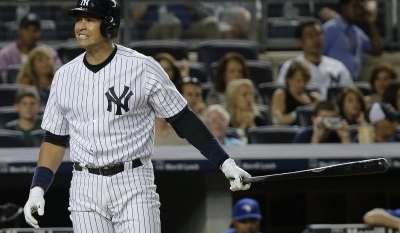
(103, 105)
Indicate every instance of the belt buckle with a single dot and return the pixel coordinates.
(106, 170)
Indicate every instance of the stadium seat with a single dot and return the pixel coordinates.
(7, 114)
(264, 110)
(304, 115)
(11, 138)
(68, 51)
(334, 90)
(7, 93)
(210, 51)
(12, 73)
(272, 134)
(37, 137)
(178, 49)
(260, 71)
(199, 70)
(267, 90)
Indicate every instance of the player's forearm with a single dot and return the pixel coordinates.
(50, 156)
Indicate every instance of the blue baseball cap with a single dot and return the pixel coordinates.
(246, 208)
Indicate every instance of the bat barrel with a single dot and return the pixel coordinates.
(362, 167)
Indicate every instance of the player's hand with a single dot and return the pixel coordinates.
(235, 174)
(35, 203)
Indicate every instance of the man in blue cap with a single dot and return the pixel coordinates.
(246, 217)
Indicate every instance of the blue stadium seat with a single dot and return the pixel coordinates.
(272, 134)
(11, 138)
(210, 51)
(178, 49)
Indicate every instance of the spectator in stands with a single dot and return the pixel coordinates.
(165, 135)
(385, 119)
(190, 88)
(230, 67)
(352, 106)
(242, 108)
(345, 41)
(38, 71)
(381, 76)
(392, 94)
(174, 70)
(235, 17)
(174, 21)
(328, 127)
(326, 14)
(27, 104)
(383, 217)
(325, 71)
(28, 38)
(294, 94)
(246, 217)
(217, 121)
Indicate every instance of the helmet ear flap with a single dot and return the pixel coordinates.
(109, 28)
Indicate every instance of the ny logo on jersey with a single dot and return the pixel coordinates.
(117, 100)
(84, 3)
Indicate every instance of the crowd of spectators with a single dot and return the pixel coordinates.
(304, 80)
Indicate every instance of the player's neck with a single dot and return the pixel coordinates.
(98, 54)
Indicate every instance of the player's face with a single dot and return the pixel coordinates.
(247, 226)
(234, 70)
(311, 40)
(87, 31)
(28, 108)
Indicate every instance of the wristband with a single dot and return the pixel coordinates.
(214, 152)
(43, 178)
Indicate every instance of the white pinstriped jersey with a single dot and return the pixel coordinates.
(110, 114)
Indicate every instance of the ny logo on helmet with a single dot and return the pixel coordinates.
(117, 100)
(84, 3)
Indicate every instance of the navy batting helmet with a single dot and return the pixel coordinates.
(108, 10)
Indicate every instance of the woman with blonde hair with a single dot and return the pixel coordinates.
(241, 106)
(38, 71)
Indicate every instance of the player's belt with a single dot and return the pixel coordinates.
(110, 169)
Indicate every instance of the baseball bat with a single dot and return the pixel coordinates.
(361, 167)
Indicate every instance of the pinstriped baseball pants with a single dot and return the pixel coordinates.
(125, 202)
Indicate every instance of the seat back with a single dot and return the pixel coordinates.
(304, 115)
(210, 51)
(69, 51)
(199, 70)
(11, 138)
(7, 114)
(267, 90)
(272, 134)
(37, 137)
(178, 49)
(12, 73)
(8, 92)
